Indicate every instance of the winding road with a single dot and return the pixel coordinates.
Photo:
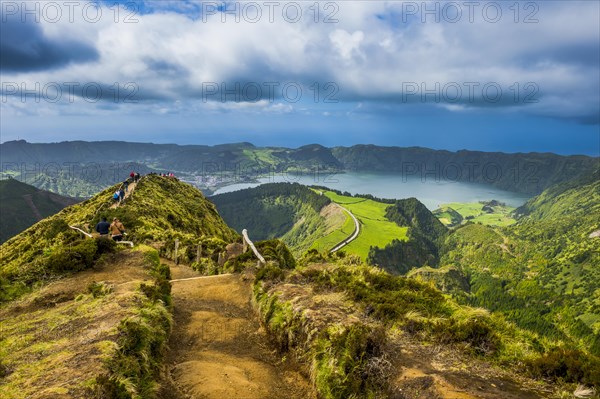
(353, 236)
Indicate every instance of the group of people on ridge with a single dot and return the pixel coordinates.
(115, 229)
(169, 174)
(119, 195)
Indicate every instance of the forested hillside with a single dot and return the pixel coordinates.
(397, 235)
(543, 271)
(291, 212)
(22, 205)
(425, 234)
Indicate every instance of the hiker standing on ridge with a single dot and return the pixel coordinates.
(102, 227)
(117, 195)
(125, 185)
(136, 177)
(121, 194)
(132, 174)
(117, 229)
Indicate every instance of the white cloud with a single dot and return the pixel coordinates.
(346, 44)
(370, 53)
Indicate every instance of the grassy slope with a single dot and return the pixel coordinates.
(160, 210)
(307, 230)
(52, 311)
(291, 212)
(502, 215)
(344, 321)
(16, 215)
(297, 215)
(376, 230)
(262, 156)
(70, 338)
(335, 236)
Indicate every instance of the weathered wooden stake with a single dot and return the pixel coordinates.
(176, 248)
(251, 244)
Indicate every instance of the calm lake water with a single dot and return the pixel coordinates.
(430, 192)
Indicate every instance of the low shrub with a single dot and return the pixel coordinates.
(276, 250)
(474, 327)
(141, 346)
(344, 355)
(347, 361)
(206, 266)
(270, 272)
(54, 226)
(99, 289)
(105, 246)
(568, 365)
(76, 257)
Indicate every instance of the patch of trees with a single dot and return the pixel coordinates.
(425, 236)
(269, 210)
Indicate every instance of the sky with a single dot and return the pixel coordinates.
(490, 75)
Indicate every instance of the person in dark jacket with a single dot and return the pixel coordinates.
(102, 227)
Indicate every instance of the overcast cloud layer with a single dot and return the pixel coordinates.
(365, 67)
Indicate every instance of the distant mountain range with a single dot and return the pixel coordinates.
(23, 205)
(80, 168)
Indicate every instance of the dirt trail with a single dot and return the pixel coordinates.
(130, 189)
(218, 349)
(429, 373)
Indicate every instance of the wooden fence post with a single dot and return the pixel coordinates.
(253, 247)
(176, 248)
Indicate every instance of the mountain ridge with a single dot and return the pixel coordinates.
(23, 205)
(520, 172)
(160, 211)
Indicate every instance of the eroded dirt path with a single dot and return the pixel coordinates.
(130, 189)
(429, 373)
(218, 349)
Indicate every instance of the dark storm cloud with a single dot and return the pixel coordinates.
(25, 48)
